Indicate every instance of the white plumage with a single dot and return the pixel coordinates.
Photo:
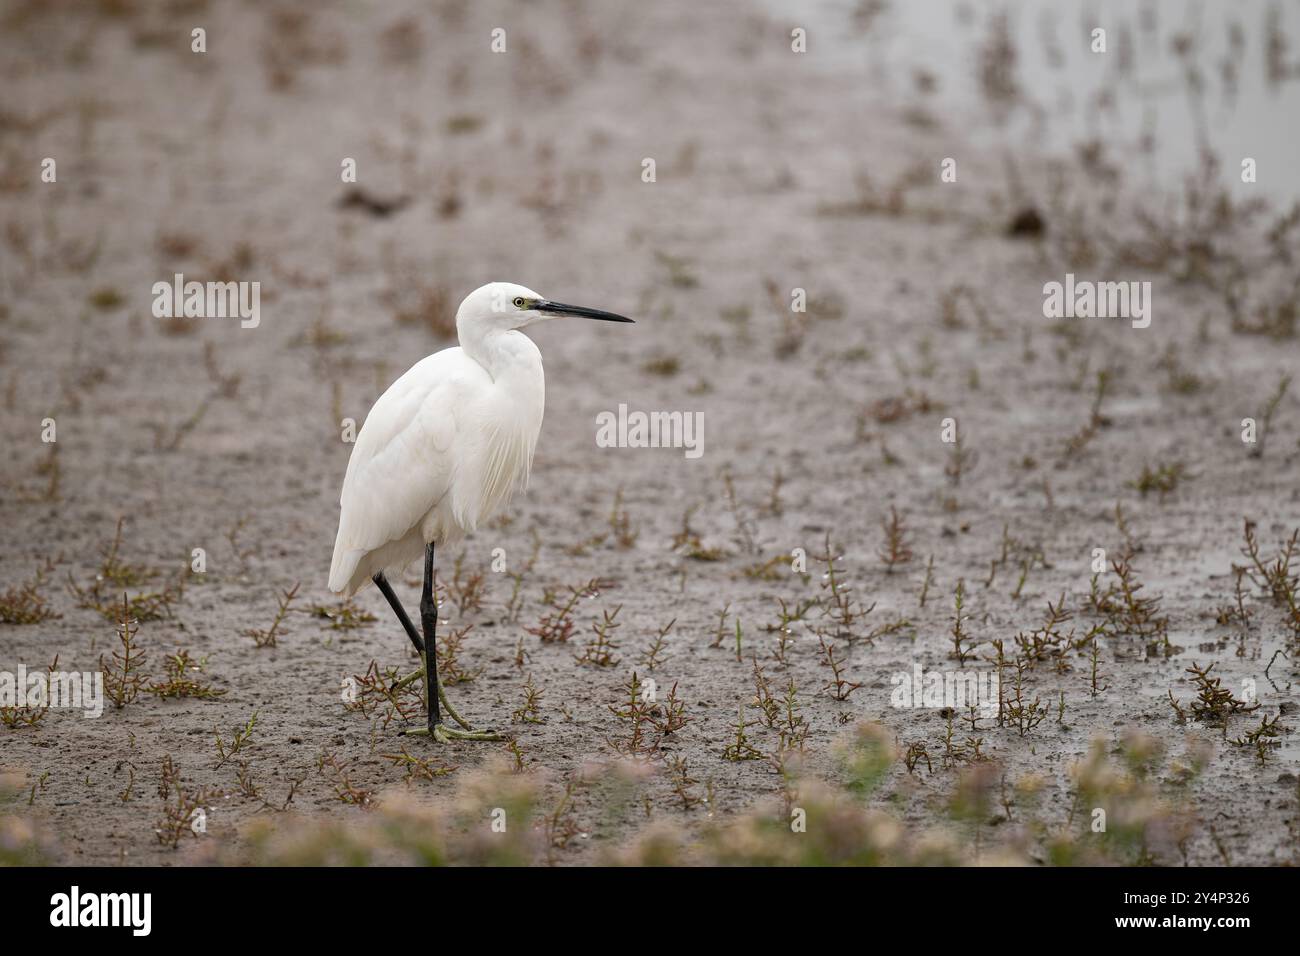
(450, 442)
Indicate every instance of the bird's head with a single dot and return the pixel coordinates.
(505, 305)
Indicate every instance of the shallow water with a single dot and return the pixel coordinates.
(1136, 97)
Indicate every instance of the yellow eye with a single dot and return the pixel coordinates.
(519, 302)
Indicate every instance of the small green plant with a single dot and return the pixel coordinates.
(27, 714)
(600, 650)
(182, 806)
(124, 675)
(466, 590)
(1022, 713)
(962, 645)
(839, 687)
(1263, 738)
(636, 715)
(179, 668)
(343, 616)
(1163, 479)
(344, 788)
(838, 603)
(557, 626)
(654, 656)
(270, 636)
(1266, 416)
(24, 603)
(418, 768)
(896, 551)
(740, 748)
(450, 670)
(1275, 577)
(531, 710)
(620, 523)
(929, 580)
(241, 738)
(1214, 703)
(682, 781)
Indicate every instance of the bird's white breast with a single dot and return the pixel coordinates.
(497, 435)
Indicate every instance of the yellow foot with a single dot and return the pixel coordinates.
(442, 695)
(445, 735)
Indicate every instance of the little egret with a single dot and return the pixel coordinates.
(445, 447)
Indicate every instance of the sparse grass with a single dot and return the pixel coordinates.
(238, 741)
(1163, 479)
(1275, 577)
(1145, 820)
(115, 575)
(1214, 704)
(449, 648)
(124, 675)
(381, 693)
(180, 682)
(557, 626)
(655, 655)
(839, 604)
(600, 650)
(418, 768)
(620, 523)
(740, 748)
(680, 270)
(347, 792)
(963, 647)
(896, 550)
(896, 796)
(1263, 738)
(838, 686)
(466, 589)
(635, 715)
(343, 616)
(25, 604)
(1266, 416)
(269, 636)
(29, 713)
(181, 806)
(530, 712)
(1126, 611)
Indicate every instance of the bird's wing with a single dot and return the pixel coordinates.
(401, 463)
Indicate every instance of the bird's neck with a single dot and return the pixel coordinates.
(504, 353)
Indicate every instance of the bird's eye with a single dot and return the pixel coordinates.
(519, 302)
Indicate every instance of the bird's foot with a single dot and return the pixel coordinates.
(412, 677)
(445, 735)
(465, 724)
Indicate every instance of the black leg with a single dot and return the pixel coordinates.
(429, 619)
(381, 582)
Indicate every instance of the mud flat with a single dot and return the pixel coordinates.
(771, 587)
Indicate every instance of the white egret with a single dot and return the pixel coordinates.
(445, 447)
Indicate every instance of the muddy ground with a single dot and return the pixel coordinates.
(773, 171)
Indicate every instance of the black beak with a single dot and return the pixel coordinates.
(559, 308)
